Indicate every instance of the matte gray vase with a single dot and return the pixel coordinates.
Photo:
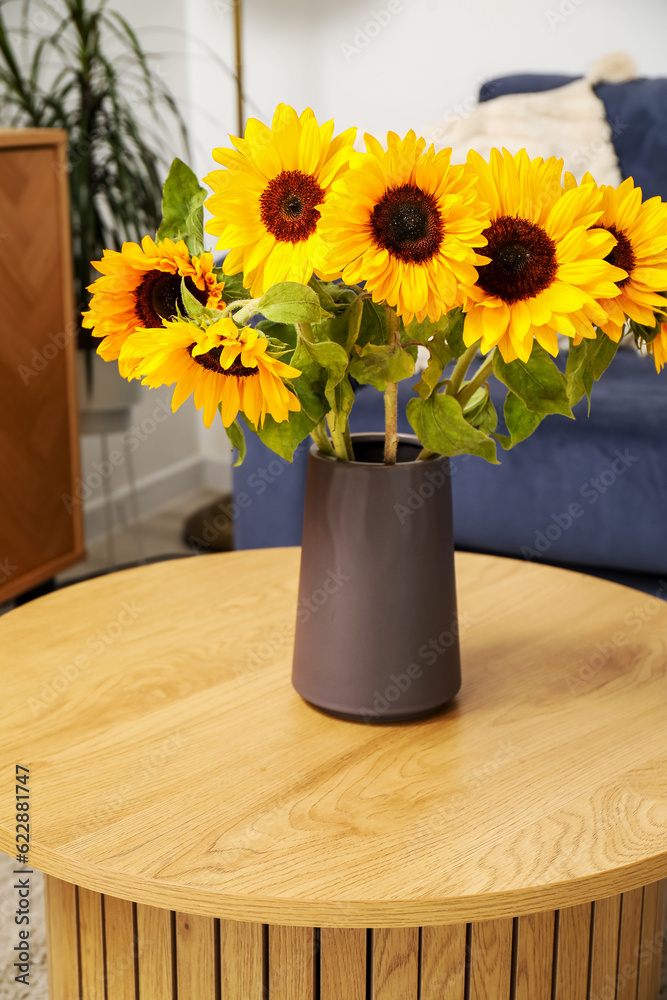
(377, 632)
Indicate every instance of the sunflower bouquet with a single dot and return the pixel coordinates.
(342, 264)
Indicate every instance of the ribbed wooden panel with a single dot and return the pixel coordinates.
(342, 963)
(241, 961)
(444, 962)
(61, 932)
(651, 941)
(534, 956)
(629, 944)
(196, 966)
(574, 939)
(661, 907)
(119, 948)
(491, 960)
(604, 954)
(395, 963)
(92, 944)
(155, 953)
(39, 450)
(291, 963)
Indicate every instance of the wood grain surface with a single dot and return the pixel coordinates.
(343, 963)
(574, 948)
(534, 956)
(395, 974)
(91, 944)
(174, 764)
(443, 962)
(61, 935)
(491, 959)
(154, 950)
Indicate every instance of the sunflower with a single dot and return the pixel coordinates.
(405, 221)
(265, 205)
(640, 230)
(658, 348)
(546, 267)
(141, 286)
(221, 364)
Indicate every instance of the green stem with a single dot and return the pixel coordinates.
(425, 454)
(348, 442)
(462, 366)
(337, 437)
(305, 331)
(391, 396)
(321, 438)
(479, 378)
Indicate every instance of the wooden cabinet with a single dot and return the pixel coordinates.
(41, 528)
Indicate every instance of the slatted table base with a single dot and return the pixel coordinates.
(102, 948)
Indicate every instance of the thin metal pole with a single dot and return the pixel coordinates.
(239, 64)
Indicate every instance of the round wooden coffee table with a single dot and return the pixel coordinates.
(207, 834)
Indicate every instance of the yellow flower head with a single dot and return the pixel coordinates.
(141, 286)
(546, 265)
(222, 365)
(658, 348)
(640, 229)
(405, 221)
(266, 204)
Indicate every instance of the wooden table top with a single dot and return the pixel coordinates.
(172, 763)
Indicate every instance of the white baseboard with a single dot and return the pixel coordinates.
(159, 489)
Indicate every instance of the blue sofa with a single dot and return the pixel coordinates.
(590, 492)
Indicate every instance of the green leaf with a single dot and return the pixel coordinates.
(193, 306)
(310, 386)
(422, 332)
(585, 364)
(538, 382)
(327, 300)
(377, 364)
(519, 420)
(480, 411)
(440, 425)
(285, 437)
(284, 332)
(234, 288)
(329, 356)
(341, 400)
(237, 440)
(182, 208)
(440, 355)
(453, 332)
(373, 327)
(291, 302)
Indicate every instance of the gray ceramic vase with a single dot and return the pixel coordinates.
(377, 632)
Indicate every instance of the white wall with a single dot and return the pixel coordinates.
(430, 55)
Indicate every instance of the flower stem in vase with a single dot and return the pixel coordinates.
(391, 396)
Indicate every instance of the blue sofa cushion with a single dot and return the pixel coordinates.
(636, 112)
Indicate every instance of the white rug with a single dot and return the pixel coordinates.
(10, 990)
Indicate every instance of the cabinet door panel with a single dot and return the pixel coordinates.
(40, 527)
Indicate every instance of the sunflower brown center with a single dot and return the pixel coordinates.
(407, 223)
(211, 362)
(158, 297)
(622, 255)
(523, 259)
(287, 206)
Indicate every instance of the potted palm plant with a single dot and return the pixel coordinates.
(79, 66)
